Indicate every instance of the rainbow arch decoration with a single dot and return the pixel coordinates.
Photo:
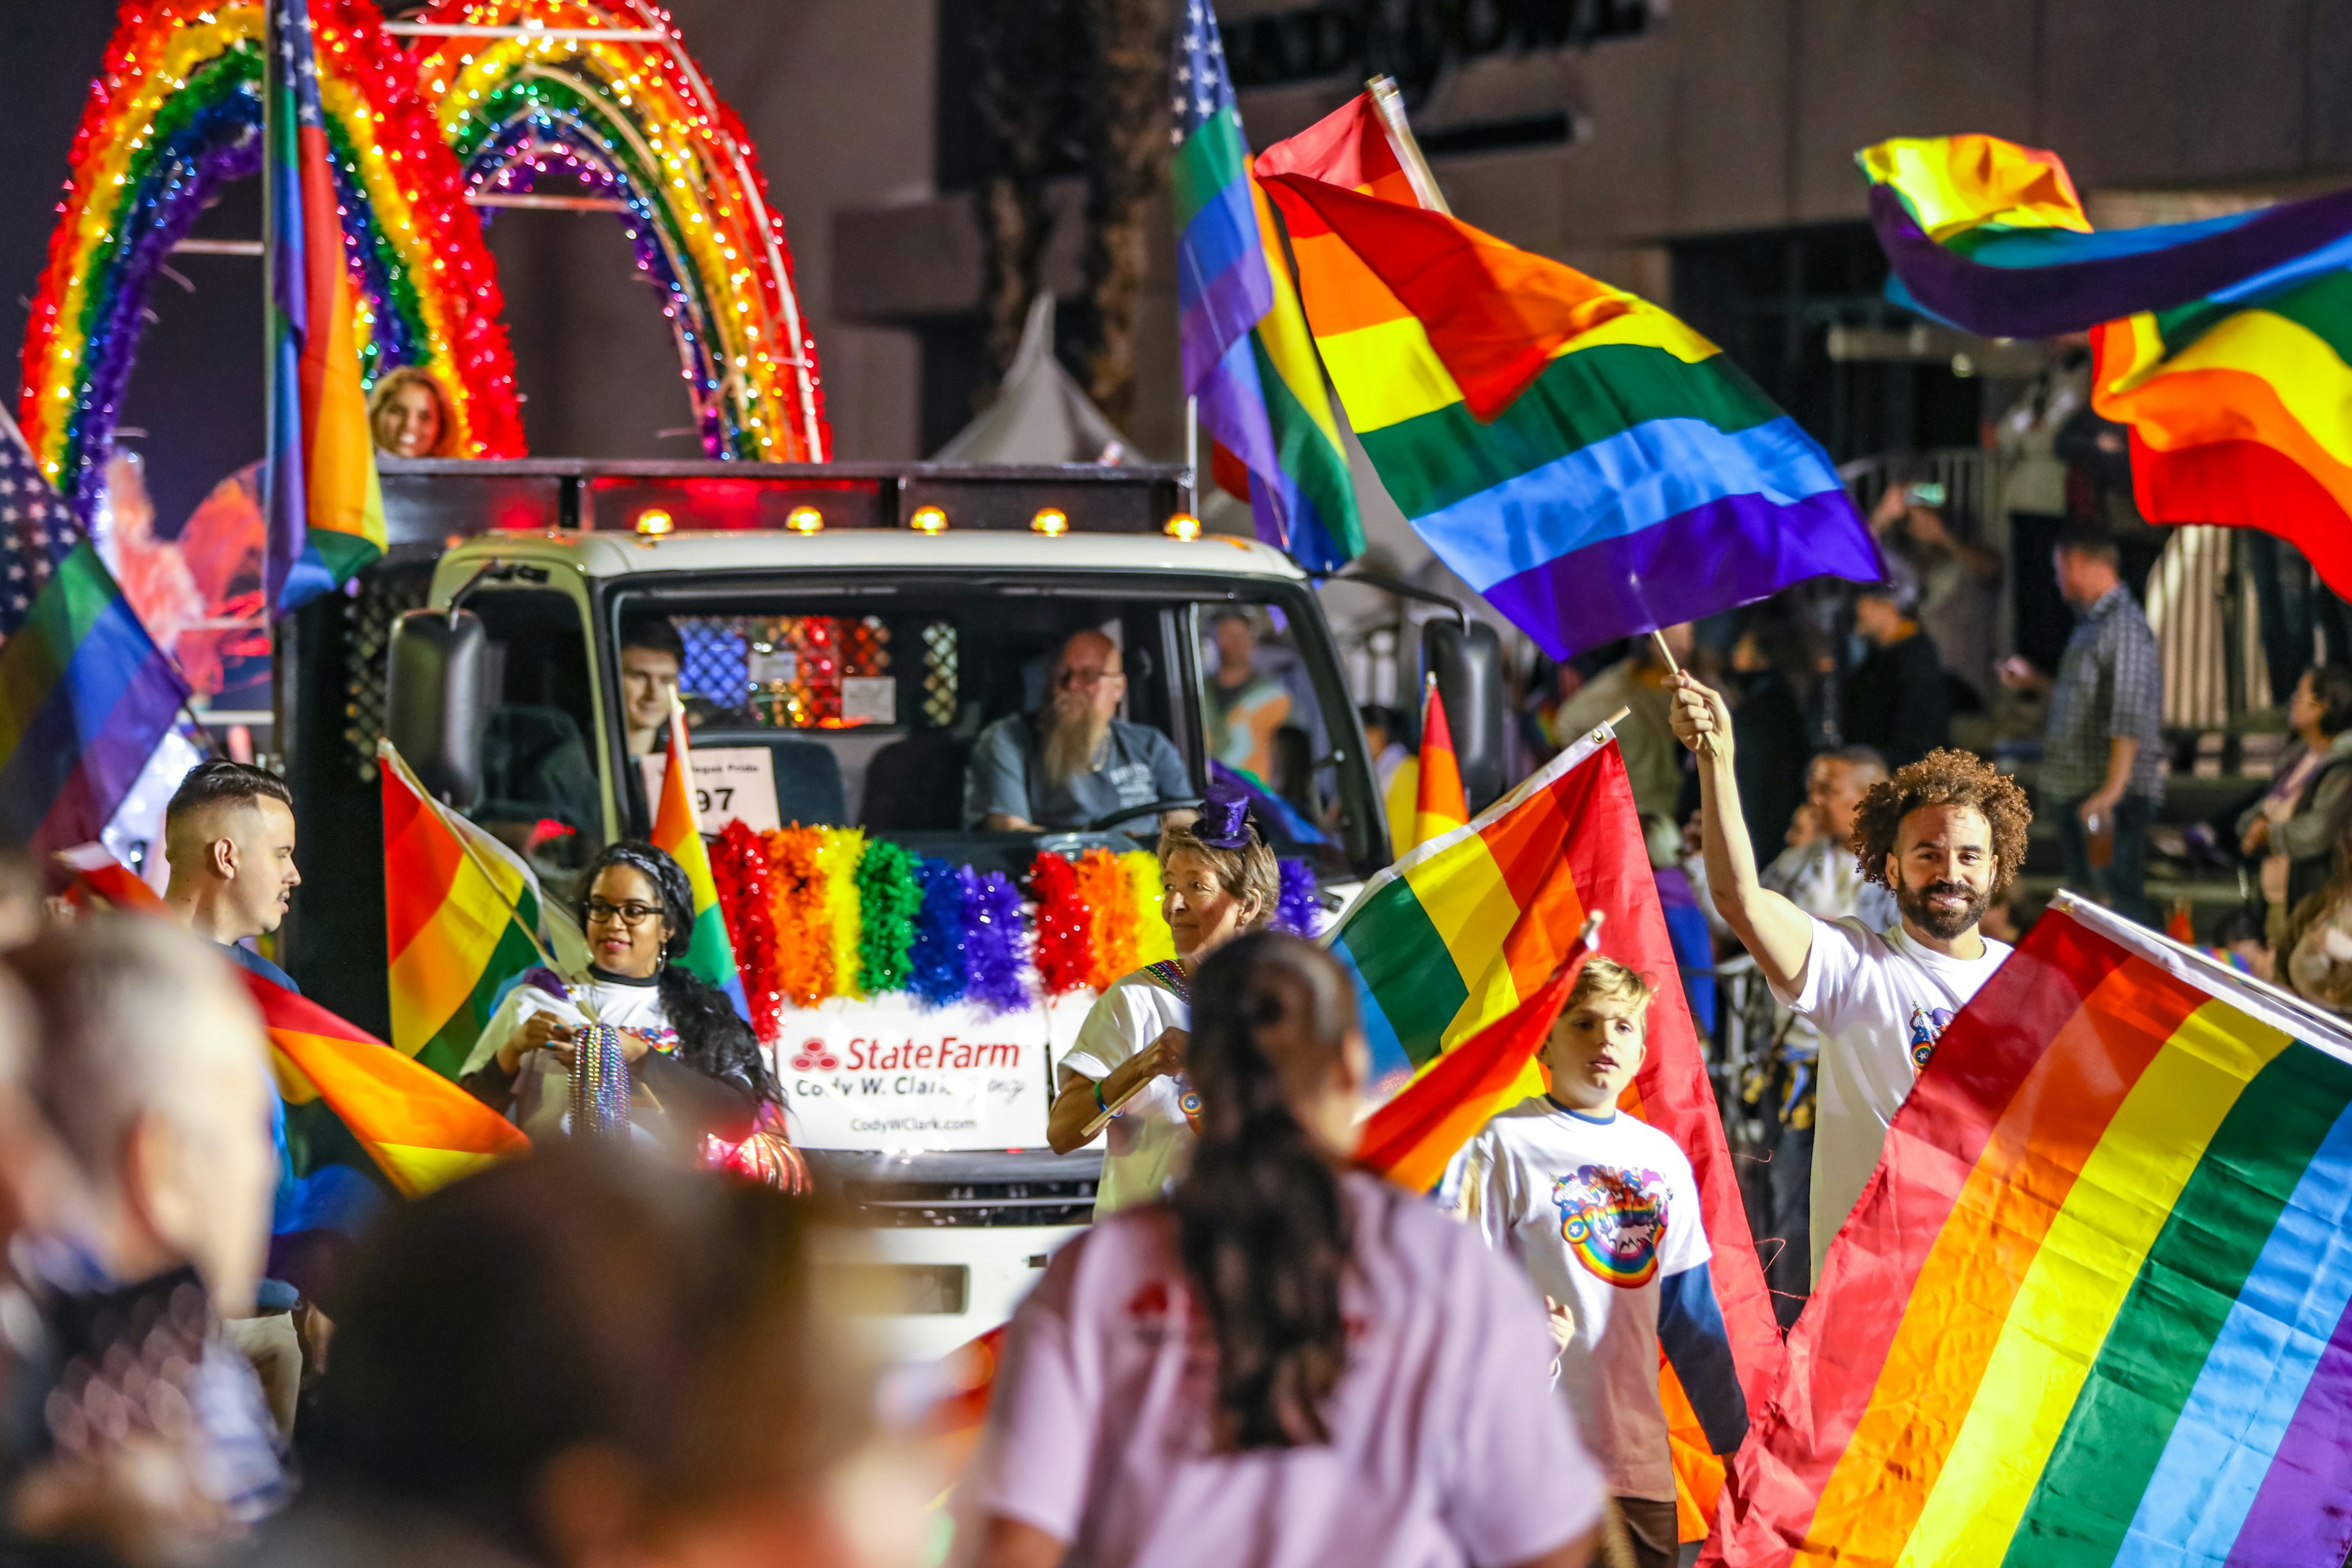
(174, 112)
(634, 117)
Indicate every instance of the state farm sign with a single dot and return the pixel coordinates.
(884, 1073)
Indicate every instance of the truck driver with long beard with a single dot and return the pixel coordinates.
(1074, 762)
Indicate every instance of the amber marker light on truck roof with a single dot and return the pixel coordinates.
(653, 523)
(1051, 521)
(929, 520)
(804, 520)
(1183, 525)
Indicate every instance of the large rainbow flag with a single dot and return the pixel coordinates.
(2095, 1305)
(1463, 929)
(85, 698)
(1583, 459)
(463, 915)
(2225, 345)
(326, 506)
(678, 833)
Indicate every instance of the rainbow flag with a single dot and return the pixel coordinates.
(463, 916)
(326, 506)
(2224, 344)
(1246, 354)
(2095, 1305)
(1590, 465)
(1351, 146)
(1439, 806)
(85, 698)
(421, 1131)
(1465, 928)
(1413, 1137)
(676, 833)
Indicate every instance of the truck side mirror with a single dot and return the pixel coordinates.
(1468, 663)
(433, 701)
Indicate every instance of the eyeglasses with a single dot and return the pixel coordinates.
(630, 915)
(1068, 677)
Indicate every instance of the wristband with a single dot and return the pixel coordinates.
(1098, 1099)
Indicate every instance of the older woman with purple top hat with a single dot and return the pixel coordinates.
(1126, 1072)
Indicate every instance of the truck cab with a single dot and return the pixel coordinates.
(839, 670)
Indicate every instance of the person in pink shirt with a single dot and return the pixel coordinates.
(1288, 1363)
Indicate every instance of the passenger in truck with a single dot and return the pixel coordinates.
(652, 654)
(1074, 762)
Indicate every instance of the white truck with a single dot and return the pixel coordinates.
(848, 633)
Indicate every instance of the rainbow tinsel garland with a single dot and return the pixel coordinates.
(175, 113)
(848, 916)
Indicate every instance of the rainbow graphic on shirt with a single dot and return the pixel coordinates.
(1928, 1024)
(1613, 1221)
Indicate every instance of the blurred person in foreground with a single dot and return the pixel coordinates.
(1945, 836)
(140, 1432)
(1289, 1361)
(2102, 759)
(584, 1358)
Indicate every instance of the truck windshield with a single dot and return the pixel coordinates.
(966, 719)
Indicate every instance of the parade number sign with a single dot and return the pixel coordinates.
(731, 784)
(886, 1073)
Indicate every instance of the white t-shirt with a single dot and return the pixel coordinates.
(1599, 1210)
(543, 1091)
(1880, 1001)
(1150, 1142)
(1444, 1452)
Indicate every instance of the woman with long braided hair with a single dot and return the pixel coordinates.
(1289, 1362)
(680, 1038)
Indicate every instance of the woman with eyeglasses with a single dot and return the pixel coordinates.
(707, 1090)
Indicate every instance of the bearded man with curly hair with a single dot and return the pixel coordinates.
(1945, 836)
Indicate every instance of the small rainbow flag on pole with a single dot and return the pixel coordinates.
(2095, 1305)
(1439, 805)
(325, 504)
(678, 833)
(1583, 459)
(2225, 345)
(1466, 928)
(463, 915)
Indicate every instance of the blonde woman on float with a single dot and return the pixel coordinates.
(1219, 880)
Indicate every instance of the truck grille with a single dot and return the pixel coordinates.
(925, 1191)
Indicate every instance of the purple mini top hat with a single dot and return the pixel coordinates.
(1225, 820)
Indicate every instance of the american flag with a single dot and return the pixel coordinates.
(37, 529)
(1198, 80)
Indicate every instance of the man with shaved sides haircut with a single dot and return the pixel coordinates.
(228, 836)
(1945, 835)
(1074, 760)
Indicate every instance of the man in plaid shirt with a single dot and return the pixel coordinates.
(2101, 760)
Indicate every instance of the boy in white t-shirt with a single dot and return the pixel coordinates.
(1945, 836)
(1601, 1211)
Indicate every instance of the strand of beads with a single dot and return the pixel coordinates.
(600, 1084)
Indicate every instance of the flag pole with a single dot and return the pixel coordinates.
(1193, 455)
(1388, 103)
(1658, 641)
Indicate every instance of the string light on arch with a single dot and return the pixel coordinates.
(174, 112)
(635, 121)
